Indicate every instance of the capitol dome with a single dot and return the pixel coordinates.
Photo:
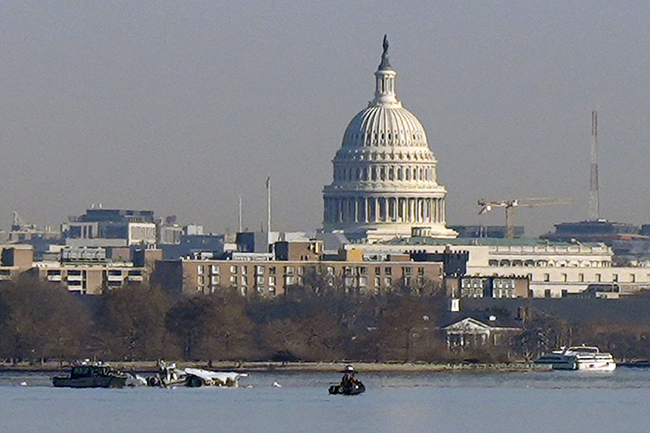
(385, 182)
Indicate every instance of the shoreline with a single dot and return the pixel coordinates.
(296, 367)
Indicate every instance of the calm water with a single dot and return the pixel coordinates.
(482, 403)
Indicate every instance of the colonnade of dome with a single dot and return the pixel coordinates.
(385, 209)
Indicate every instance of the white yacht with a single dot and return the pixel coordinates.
(579, 358)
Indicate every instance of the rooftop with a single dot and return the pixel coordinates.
(485, 242)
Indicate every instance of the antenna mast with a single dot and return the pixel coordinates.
(594, 196)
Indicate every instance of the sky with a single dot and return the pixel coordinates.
(183, 106)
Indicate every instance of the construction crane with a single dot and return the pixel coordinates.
(512, 204)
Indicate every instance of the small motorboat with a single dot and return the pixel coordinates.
(349, 384)
(97, 375)
(352, 389)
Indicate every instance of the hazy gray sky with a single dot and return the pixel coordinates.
(181, 106)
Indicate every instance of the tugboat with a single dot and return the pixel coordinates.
(349, 384)
(97, 375)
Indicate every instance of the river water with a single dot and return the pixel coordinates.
(431, 402)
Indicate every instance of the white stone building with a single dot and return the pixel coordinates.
(554, 269)
(384, 181)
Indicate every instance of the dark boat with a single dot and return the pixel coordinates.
(91, 376)
(351, 389)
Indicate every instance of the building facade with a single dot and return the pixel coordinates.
(384, 180)
(299, 264)
(554, 269)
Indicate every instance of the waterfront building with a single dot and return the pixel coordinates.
(384, 178)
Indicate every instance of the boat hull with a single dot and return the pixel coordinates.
(347, 390)
(89, 382)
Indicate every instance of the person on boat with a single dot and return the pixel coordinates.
(348, 379)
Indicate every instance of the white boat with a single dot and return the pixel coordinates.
(586, 358)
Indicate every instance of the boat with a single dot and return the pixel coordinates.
(97, 375)
(351, 389)
(349, 384)
(587, 358)
(169, 377)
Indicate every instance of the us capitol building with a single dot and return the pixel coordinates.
(384, 183)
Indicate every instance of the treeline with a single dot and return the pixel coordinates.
(40, 321)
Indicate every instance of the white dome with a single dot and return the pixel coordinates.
(385, 181)
(385, 125)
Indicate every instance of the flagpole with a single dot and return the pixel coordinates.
(268, 210)
(241, 219)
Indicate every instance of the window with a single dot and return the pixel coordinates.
(615, 278)
(408, 270)
(598, 278)
(564, 277)
(362, 270)
(201, 269)
(581, 278)
(216, 279)
(244, 280)
(421, 272)
(272, 270)
(547, 278)
(632, 278)
(259, 269)
(377, 282)
(233, 269)
(288, 270)
(388, 271)
(377, 270)
(215, 269)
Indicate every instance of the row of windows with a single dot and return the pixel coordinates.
(380, 137)
(632, 278)
(383, 173)
(260, 280)
(291, 270)
(550, 263)
(234, 269)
